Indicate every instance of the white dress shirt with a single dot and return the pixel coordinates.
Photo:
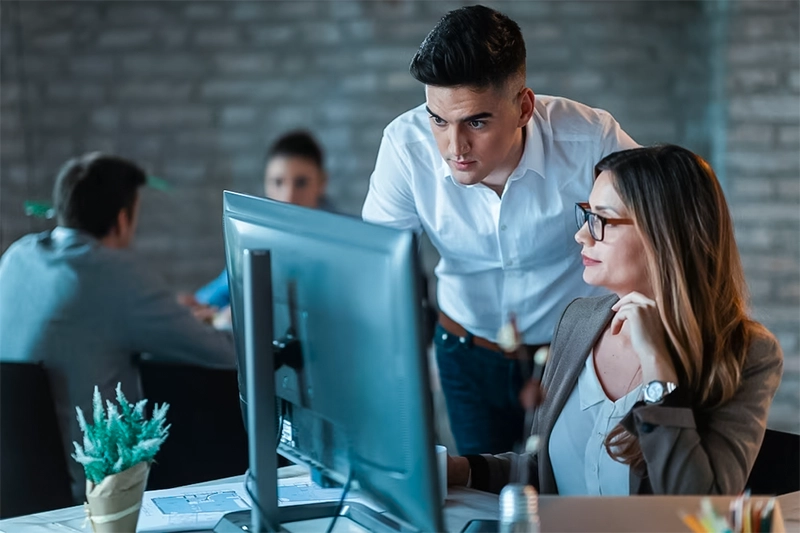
(581, 464)
(499, 255)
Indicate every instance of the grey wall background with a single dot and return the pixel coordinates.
(195, 91)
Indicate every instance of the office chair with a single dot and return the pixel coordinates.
(33, 467)
(777, 467)
(207, 439)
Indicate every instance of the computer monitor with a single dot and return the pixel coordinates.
(355, 390)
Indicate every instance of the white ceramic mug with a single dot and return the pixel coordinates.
(441, 463)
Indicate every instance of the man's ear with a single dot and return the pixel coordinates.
(122, 224)
(526, 106)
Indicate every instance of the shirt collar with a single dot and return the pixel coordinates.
(70, 236)
(589, 389)
(532, 156)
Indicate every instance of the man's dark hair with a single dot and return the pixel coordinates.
(297, 144)
(473, 46)
(91, 190)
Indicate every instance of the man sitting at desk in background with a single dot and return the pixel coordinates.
(77, 300)
(295, 174)
(491, 174)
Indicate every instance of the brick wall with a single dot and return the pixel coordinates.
(196, 90)
(763, 173)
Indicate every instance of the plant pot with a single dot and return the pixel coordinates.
(113, 505)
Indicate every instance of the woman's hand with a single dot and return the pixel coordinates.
(638, 317)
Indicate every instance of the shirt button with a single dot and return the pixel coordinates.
(509, 262)
(503, 227)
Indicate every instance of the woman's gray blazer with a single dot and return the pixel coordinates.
(685, 451)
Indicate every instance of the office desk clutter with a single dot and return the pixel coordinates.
(744, 515)
(116, 454)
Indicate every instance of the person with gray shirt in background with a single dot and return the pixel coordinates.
(77, 300)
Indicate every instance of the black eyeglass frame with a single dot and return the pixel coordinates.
(584, 216)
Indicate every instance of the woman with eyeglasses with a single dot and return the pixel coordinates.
(664, 386)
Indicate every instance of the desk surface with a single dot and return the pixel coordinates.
(633, 513)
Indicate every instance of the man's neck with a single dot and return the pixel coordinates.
(497, 180)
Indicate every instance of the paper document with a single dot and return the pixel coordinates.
(183, 509)
(187, 509)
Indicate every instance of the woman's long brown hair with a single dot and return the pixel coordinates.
(694, 269)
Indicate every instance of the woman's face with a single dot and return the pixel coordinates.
(617, 262)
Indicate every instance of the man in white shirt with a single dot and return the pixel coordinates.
(492, 174)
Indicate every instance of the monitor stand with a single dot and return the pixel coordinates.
(315, 517)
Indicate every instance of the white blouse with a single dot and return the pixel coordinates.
(581, 464)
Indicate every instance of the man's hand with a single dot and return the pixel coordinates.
(531, 395)
(203, 313)
(457, 470)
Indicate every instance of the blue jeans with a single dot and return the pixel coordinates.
(481, 388)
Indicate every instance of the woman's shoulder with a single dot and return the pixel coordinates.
(584, 308)
(763, 347)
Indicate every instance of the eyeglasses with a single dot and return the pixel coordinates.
(597, 223)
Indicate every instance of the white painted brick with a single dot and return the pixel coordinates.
(789, 189)
(359, 83)
(124, 38)
(239, 115)
(9, 92)
(71, 92)
(753, 188)
(359, 30)
(789, 135)
(403, 81)
(244, 63)
(163, 91)
(170, 116)
(794, 80)
(172, 37)
(53, 41)
(178, 65)
(251, 90)
(92, 65)
(345, 10)
(105, 118)
(750, 134)
(138, 14)
(759, 54)
(273, 35)
(387, 57)
(754, 163)
(760, 288)
(321, 34)
(217, 37)
(207, 10)
(768, 212)
(251, 11)
(753, 79)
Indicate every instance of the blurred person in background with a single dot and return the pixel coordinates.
(295, 174)
(79, 301)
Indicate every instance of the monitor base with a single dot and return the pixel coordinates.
(359, 516)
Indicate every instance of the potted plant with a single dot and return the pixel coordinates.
(117, 451)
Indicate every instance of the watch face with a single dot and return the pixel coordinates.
(655, 391)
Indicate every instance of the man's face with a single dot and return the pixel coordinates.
(295, 180)
(479, 133)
